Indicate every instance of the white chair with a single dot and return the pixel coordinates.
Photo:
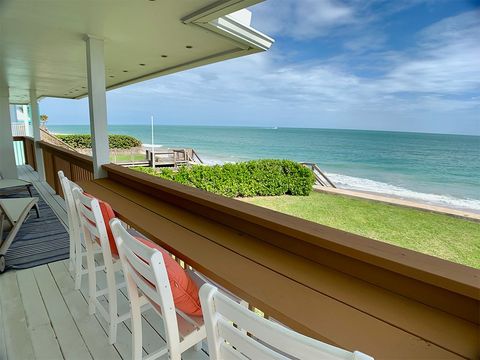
(77, 251)
(94, 232)
(147, 282)
(267, 339)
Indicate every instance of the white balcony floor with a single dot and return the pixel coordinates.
(42, 316)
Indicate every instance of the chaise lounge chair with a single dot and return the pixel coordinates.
(9, 185)
(15, 212)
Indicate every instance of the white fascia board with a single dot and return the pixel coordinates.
(246, 35)
(217, 10)
(225, 19)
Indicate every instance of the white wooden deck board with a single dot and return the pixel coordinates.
(68, 335)
(92, 332)
(3, 345)
(42, 316)
(18, 343)
(43, 336)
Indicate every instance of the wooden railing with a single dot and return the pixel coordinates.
(28, 150)
(408, 290)
(75, 166)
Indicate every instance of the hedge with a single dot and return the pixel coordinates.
(244, 179)
(115, 141)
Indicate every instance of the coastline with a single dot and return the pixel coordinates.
(430, 174)
(469, 215)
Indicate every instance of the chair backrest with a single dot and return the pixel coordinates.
(92, 223)
(145, 273)
(72, 214)
(267, 339)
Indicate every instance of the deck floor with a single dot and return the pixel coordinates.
(42, 316)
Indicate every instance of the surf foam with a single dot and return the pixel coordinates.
(362, 184)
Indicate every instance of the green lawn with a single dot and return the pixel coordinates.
(127, 157)
(447, 237)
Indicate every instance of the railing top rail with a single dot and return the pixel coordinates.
(81, 160)
(21, 137)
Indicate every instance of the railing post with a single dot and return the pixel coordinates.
(25, 151)
(36, 134)
(8, 167)
(97, 103)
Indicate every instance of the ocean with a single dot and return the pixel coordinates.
(429, 168)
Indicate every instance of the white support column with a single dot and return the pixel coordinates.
(8, 167)
(97, 103)
(36, 133)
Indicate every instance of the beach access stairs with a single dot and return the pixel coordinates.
(320, 178)
(173, 157)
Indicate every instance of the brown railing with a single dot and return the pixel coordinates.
(28, 149)
(75, 166)
(406, 289)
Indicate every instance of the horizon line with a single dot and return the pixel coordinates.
(278, 127)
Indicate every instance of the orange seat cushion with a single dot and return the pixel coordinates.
(107, 214)
(184, 289)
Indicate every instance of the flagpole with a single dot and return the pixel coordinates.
(153, 146)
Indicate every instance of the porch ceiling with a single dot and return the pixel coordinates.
(42, 42)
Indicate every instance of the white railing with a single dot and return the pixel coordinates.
(20, 129)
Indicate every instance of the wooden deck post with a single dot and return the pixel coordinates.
(8, 167)
(97, 103)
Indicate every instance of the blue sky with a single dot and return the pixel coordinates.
(406, 65)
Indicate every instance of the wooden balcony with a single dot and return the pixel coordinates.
(347, 290)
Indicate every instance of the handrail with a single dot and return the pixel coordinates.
(76, 157)
(195, 155)
(320, 176)
(424, 278)
(75, 166)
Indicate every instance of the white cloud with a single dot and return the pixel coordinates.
(302, 19)
(438, 75)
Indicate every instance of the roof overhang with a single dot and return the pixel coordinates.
(42, 44)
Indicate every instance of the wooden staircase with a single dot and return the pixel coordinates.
(320, 177)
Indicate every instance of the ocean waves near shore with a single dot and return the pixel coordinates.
(430, 168)
(366, 185)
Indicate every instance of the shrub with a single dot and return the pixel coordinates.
(251, 178)
(114, 141)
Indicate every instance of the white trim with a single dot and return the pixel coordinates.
(97, 104)
(237, 31)
(8, 167)
(35, 111)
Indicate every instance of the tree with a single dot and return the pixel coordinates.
(43, 120)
